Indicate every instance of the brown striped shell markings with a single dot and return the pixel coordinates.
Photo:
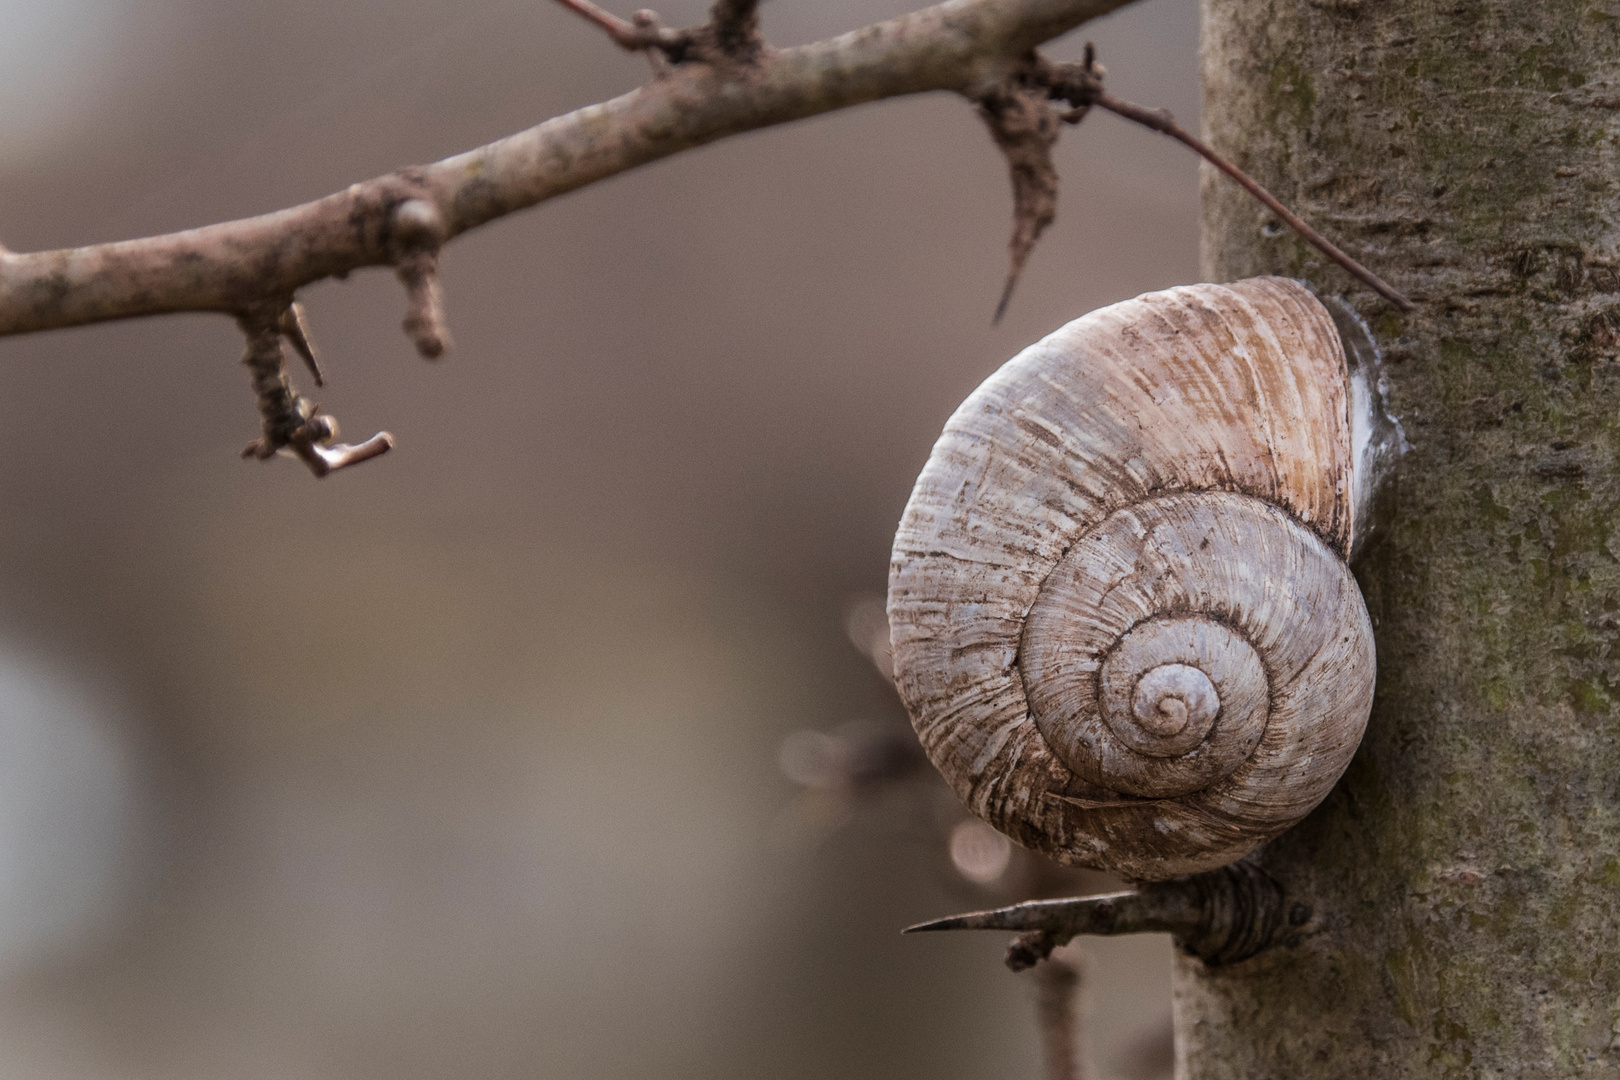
(1121, 614)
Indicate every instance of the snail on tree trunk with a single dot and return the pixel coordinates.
(1121, 611)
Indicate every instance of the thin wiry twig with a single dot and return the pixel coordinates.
(620, 30)
(1160, 120)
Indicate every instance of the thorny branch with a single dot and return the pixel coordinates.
(1222, 916)
(712, 81)
(864, 763)
(1025, 126)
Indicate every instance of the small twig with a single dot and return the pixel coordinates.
(291, 422)
(1160, 120)
(419, 230)
(1057, 982)
(644, 33)
(1046, 924)
(622, 32)
(731, 34)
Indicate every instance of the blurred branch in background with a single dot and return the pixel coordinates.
(1057, 980)
(883, 764)
(721, 83)
(715, 80)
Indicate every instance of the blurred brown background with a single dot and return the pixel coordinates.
(465, 763)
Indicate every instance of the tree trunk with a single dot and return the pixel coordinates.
(1465, 875)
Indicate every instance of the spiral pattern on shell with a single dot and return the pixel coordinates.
(1120, 611)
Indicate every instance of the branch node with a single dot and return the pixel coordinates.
(1079, 84)
(418, 231)
(291, 423)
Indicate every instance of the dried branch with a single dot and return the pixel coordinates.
(1222, 916)
(1027, 146)
(965, 46)
(292, 423)
(1025, 127)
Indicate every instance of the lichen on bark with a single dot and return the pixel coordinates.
(1466, 872)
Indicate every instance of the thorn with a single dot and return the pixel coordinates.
(1055, 916)
(294, 327)
(1007, 289)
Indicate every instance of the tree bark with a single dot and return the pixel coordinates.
(1465, 875)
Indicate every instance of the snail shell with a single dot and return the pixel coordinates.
(1121, 614)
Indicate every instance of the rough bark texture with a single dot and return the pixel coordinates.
(1466, 873)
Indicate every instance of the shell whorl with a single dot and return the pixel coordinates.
(1120, 612)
